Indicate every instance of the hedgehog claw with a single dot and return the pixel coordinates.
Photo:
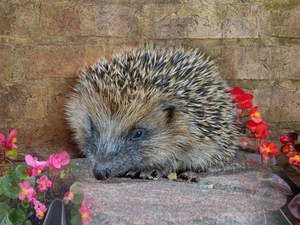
(161, 173)
(131, 174)
(145, 174)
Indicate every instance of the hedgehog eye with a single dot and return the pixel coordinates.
(137, 134)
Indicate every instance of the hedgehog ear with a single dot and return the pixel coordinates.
(170, 110)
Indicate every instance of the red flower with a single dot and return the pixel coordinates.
(244, 105)
(260, 130)
(284, 139)
(234, 93)
(244, 143)
(267, 149)
(255, 116)
(295, 160)
(243, 100)
(287, 149)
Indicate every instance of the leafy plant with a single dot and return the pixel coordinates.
(22, 194)
(268, 150)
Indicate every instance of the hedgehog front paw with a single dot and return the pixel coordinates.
(157, 173)
(162, 173)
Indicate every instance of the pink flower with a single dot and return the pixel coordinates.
(60, 159)
(86, 202)
(26, 190)
(32, 197)
(40, 211)
(11, 142)
(29, 172)
(86, 215)
(36, 203)
(37, 170)
(1, 138)
(267, 149)
(33, 161)
(49, 161)
(44, 183)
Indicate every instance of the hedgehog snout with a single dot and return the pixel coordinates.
(101, 172)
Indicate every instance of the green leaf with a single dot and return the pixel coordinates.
(21, 172)
(13, 153)
(4, 214)
(25, 204)
(31, 181)
(9, 172)
(16, 216)
(78, 197)
(21, 207)
(74, 188)
(64, 173)
(293, 173)
(40, 196)
(73, 167)
(4, 198)
(75, 215)
(10, 185)
(30, 212)
(27, 222)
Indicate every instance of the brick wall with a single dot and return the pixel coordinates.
(43, 44)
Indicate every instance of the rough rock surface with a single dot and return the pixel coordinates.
(235, 199)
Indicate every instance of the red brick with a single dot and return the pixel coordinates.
(53, 61)
(23, 101)
(260, 62)
(17, 19)
(201, 21)
(5, 62)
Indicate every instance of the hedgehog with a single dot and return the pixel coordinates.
(150, 111)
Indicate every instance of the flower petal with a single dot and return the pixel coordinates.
(29, 160)
(2, 137)
(13, 133)
(262, 130)
(64, 158)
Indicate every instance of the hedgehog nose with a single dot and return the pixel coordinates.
(101, 172)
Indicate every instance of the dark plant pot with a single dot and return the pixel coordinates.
(56, 213)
